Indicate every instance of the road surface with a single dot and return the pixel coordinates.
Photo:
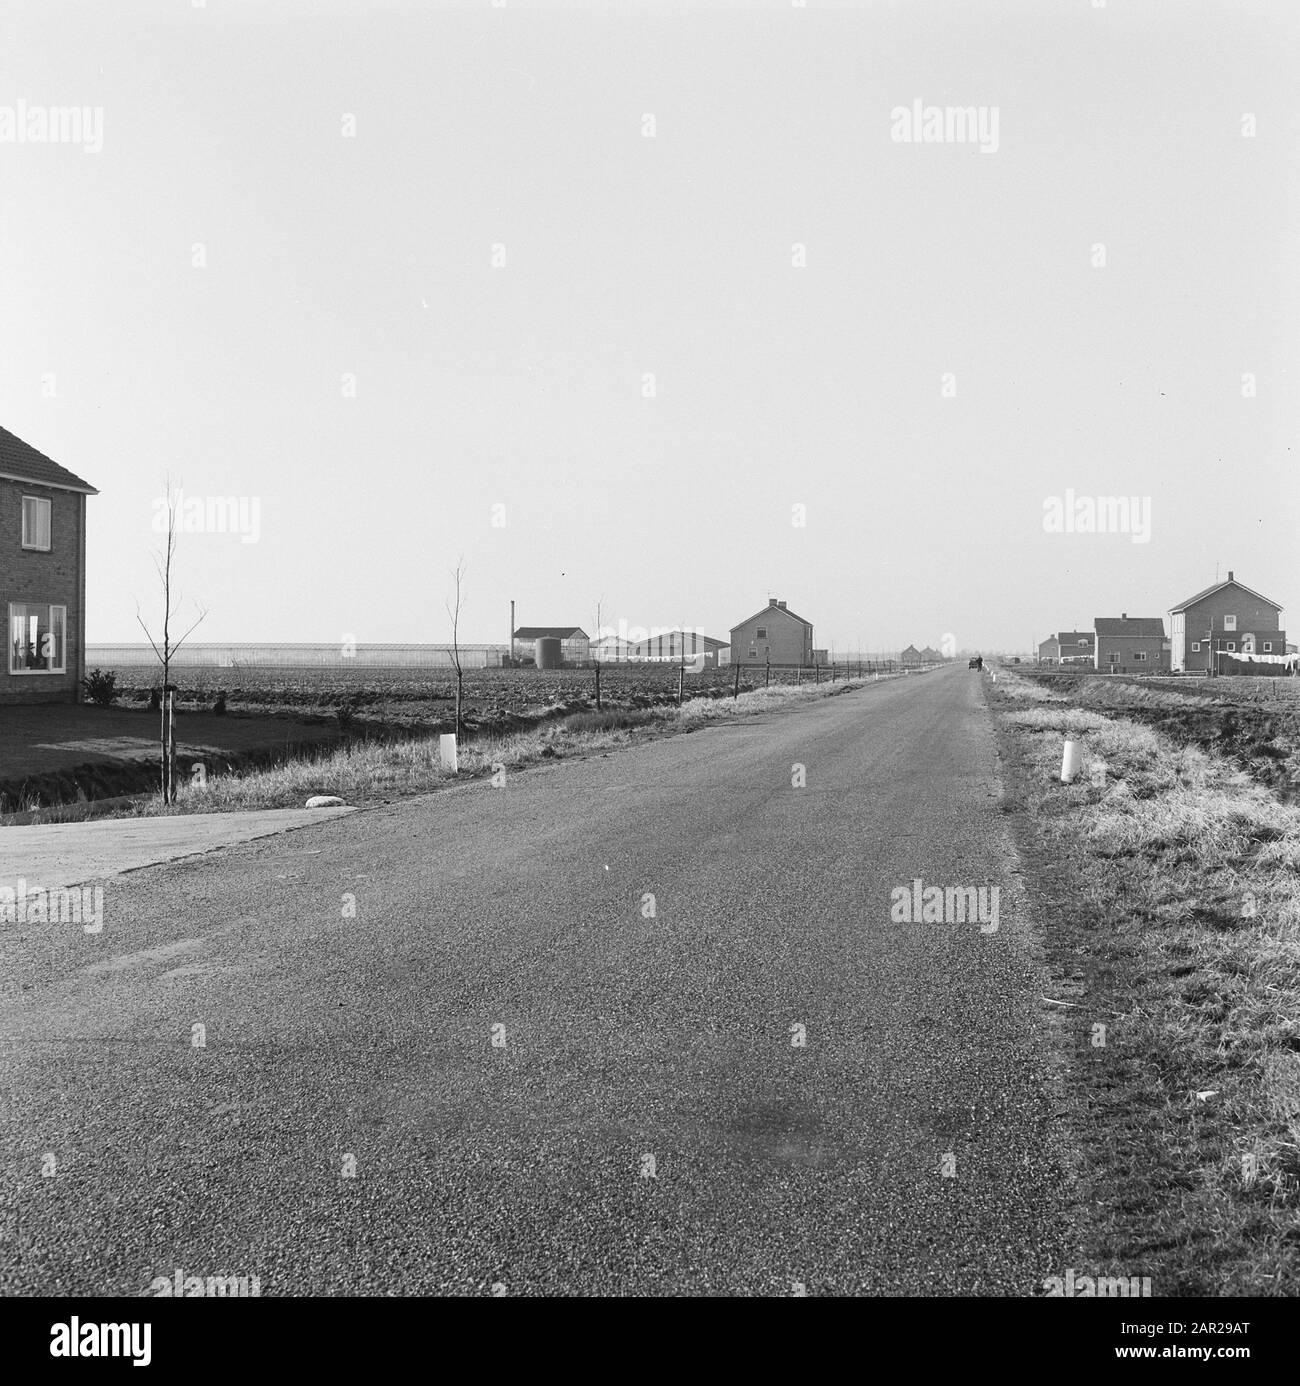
(453, 1046)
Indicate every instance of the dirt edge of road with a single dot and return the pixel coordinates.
(1183, 1110)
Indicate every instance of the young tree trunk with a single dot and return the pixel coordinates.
(171, 746)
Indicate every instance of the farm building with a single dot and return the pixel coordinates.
(774, 635)
(930, 655)
(679, 644)
(1131, 644)
(911, 655)
(1226, 619)
(611, 649)
(42, 575)
(1069, 647)
(575, 644)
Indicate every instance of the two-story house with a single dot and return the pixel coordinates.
(42, 575)
(1131, 644)
(774, 635)
(1226, 619)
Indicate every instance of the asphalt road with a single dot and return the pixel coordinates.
(649, 1124)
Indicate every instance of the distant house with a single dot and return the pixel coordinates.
(42, 575)
(911, 655)
(1226, 619)
(575, 643)
(1131, 644)
(930, 655)
(679, 645)
(774, 635)
(1069, 647)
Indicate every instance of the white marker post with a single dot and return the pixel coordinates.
(447, 752)
(1071, 761)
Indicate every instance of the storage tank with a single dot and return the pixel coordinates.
(548, 652)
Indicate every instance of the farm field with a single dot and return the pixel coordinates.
(1254, 722)
(423, 700)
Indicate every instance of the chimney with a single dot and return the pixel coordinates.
(1229, 574)
(781, 605)
(1123, 615)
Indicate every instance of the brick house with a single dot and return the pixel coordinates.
(1228, 618)
(1131, 644)
(1069, 646)
(42, 576)
(911, 655)
(774, 635)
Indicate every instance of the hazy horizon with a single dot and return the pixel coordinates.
(384, 268)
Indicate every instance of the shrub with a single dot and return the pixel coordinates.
(219, 707)
(101, 687)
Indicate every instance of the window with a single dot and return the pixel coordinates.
(1268, 647)
(1113, 658)
(1083, 644)
(1140, 655)
(1196, 647)
(1230, 623)
(36, 523)
(761, 633)
(37, 638)
(1231, 645)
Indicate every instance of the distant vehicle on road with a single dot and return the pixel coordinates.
(976, 663)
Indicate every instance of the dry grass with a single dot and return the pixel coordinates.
(1178, 904)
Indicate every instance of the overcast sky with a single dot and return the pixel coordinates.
(293, 196)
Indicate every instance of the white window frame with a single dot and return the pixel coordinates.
(1140, 656)
(1231, 646)
(49, 523)
(1230, 623)
(1196, 647)
(51, 608)
(1268, 647)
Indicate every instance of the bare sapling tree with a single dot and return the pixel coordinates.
(169, 647)
(453, 611)
(600, 635)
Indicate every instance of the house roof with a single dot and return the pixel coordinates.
(930, 653)
(545, 632)
(20, 461)
(911, 649)
(1218, 587)
(771, 606)
(1136, 627)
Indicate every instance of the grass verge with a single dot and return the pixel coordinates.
(1168, 883)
